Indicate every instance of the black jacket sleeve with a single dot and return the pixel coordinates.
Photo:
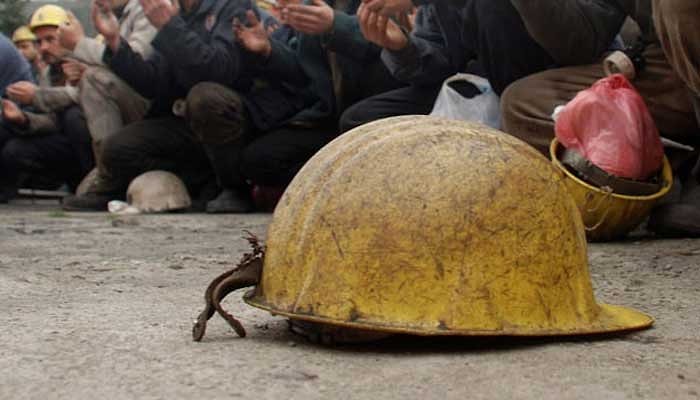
(195, 60)
(574, 31)
(426, 59)
(284, 63)
(147, 77)
(346, 38)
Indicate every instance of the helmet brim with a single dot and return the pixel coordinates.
(611, 319)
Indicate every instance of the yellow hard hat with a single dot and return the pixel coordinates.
(48, 15)
(426, 226)
(608, 215)
(23, 34)
(266, 4)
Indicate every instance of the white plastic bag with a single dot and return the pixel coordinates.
(484, 108)
(119, 207)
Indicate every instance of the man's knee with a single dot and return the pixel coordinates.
(208, 98)
(527, 118)
(215, 113)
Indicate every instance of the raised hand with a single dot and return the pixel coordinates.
(160, 12)
(106, 23)
(252, 37)
(70, 32)
(73, 70)
(381, 30)
(11, 113)
(272, 27)
(313, 19)
(22, 92)
(389, 8)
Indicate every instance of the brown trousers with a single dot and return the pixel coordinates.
(527, 104)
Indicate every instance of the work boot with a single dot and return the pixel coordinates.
(235, 195)
(87, 202)
(230, 201)
(680, 219)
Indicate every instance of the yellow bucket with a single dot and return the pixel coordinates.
(606, 215)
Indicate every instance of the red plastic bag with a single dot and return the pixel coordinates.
(610, 125)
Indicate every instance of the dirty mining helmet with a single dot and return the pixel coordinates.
(426, 226)
(48, 15)
(158, 191)
(23, 34)
(608, 213)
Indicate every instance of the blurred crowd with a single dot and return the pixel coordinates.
(234, 96)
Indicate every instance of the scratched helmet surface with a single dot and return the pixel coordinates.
(426, 226)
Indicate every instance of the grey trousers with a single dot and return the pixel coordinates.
(109, 104)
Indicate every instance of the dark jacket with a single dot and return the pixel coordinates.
(435, 49)
(329, 69)
(572, 31)
(13, 66)
(357, 70)
(190, 49)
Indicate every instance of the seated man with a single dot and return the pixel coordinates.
(668, 83)
(486, 37)
(287, 116)
(108, 102)
(677, 21)
(25, 41)
(335, 64)
(55, 141)
(194, 46)
(14, 68)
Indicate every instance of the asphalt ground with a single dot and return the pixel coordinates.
(95, 306)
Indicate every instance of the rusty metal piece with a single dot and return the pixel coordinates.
(247, 273)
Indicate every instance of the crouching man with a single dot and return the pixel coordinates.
(53, 141)
(108, 102)
(669, 84)
(191, 46)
